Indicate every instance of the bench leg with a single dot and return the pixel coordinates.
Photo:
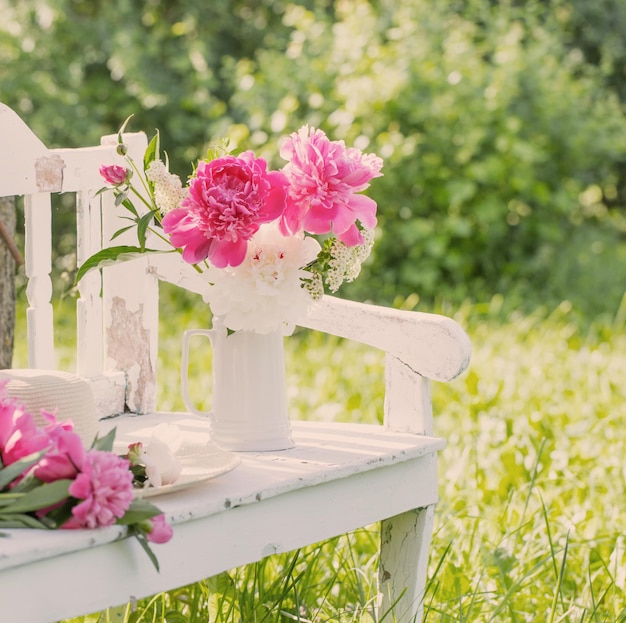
(405, 541)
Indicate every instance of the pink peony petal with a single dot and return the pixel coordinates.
(21, 436)
(228, 253)
(351, 237)
(66, 455)
(365, 207)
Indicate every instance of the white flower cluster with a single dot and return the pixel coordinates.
(265, 292)
(345, 262)
(168, 189)
(315, 286)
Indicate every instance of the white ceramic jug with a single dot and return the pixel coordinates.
(249, 398)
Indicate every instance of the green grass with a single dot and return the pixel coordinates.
(531, 522)
(532, 480)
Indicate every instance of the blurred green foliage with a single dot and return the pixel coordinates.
(501, 124)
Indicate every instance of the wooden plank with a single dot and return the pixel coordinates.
(89, 328)
(408, 404)
(434, 346)
(130, 302)
(81, 165)
(38, 265)
(20, 151)
(405, 543)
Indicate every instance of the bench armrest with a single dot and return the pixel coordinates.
(434, 346)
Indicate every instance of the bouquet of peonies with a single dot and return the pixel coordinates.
(268, 242)
(49, 480)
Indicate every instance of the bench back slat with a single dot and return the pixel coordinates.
(89, 356)
(38, 251)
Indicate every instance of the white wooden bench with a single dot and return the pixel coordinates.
(337, 478)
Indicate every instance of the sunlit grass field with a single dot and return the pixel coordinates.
(532, 519)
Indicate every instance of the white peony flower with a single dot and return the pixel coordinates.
(264, 293)
(158, 455)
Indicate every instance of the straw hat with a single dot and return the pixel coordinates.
(67, 394)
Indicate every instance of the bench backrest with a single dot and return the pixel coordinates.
(117, 307)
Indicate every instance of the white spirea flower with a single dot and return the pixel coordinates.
(264, 293)
(315, 286)
(345, 262)
(168, 189)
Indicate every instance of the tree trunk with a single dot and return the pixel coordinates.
(8, 257)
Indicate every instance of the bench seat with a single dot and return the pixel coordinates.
(329, 479)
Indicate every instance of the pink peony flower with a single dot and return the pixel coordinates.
(105, 485)
(19, 435)
(324, 178)
(159, 531)
(229, 198)
(66, 455)
(113, 174)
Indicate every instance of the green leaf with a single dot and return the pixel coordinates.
(138, 511)
(123, 129)
(11, 472)
(114, 614)
(119, 232)
(142, 228)
(109, 256)
(46, 495)
(26, 484)
(121, 198)
(130, 206)
(20, 521)
(56, 517)
(222, 583)
(7, 498)
(105, 443)
(152, 151)
(143, 541)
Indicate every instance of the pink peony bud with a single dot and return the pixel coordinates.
(160, 531)
(114, 174)
(134, 453)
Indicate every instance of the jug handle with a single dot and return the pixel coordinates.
(184, 368)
